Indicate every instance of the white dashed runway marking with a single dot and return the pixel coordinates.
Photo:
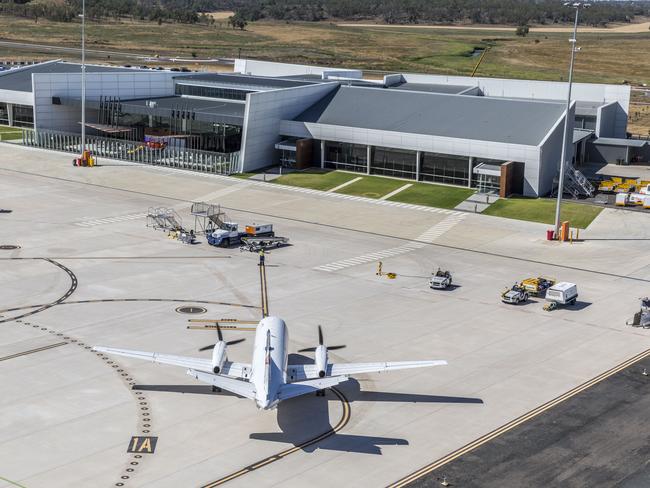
(422, 240)
(110, 220)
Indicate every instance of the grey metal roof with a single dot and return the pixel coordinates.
(249, 82)
(611, 141)
(21, 79)
(515, 121)
(430, 87)
(205, 110)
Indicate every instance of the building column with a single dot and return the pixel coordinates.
(418, 159)
(322, 154)
(469, 173)
(10, 114)
(368, 154)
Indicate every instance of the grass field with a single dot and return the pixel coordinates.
(376, 187)
(433, 195)
(10, 133)
(607, 57)
(315, 179)
(543, 210)
(372, 187)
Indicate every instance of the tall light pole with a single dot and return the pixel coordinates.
(83, 76)
(560, 187)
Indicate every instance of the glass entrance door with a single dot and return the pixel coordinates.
(488, 184)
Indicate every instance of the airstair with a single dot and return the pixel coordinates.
(207, 217)
(163, 218)
(576, 184)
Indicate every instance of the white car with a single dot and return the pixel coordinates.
(440, 280)
(517, 294)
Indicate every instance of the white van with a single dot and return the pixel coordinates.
(562, 293)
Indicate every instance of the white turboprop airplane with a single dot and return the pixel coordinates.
(269, 378)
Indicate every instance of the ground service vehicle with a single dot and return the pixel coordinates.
(440, 280)
(228, 234)
(642, 317)
(537, 286)
(517, 294)
(256, 244)
(562, 293)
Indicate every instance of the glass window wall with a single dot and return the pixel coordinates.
(444, 168)
(4, 114)
(23, 116)
(393, 162)
(349, 157)
(212, 92)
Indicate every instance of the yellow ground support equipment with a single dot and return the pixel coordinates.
(86, 159)
(550, 306)
(607, 185)
(626, 187)
(537, 286)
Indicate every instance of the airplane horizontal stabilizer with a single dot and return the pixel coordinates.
(291, 390)
(238, 387)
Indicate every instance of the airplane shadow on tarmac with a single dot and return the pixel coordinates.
(302, 418)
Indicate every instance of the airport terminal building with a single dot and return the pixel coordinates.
(496, 135)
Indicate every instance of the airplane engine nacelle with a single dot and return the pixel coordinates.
(218, 357)
(320, 357)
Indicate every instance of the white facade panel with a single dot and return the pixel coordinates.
(122, 85)
(263, 116)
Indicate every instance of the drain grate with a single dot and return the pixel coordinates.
(193, 309)
(8, 247)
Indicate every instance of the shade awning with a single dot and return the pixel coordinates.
(611, 141)
(487, 169)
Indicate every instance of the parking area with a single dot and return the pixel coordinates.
(94, 274)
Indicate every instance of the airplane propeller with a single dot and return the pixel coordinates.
(320, 343)
(220, 337)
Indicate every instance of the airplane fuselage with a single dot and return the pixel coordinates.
(270, 359)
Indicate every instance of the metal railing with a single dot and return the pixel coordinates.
(137, 152)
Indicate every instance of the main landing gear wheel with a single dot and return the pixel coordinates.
(320, 393)
(216, 389)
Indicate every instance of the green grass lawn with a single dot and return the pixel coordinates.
(372, 187)
(543, 210)
(433, 195)
(243, 176)
(10, 133)
(318, 180)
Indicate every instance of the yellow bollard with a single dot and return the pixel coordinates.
(577, 234)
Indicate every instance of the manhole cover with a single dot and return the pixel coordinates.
(192, 309)
(8, 247)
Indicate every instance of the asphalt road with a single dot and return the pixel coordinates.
(47, 48)
(596, 438)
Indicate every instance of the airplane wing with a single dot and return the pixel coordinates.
(239, 370)
(291, 390)
(299, 372)
(238, 387)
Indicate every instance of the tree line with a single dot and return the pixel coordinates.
(510, 12)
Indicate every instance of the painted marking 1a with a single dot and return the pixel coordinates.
(142, 445)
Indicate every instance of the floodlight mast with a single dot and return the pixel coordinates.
(83, 77)
(560, 187)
